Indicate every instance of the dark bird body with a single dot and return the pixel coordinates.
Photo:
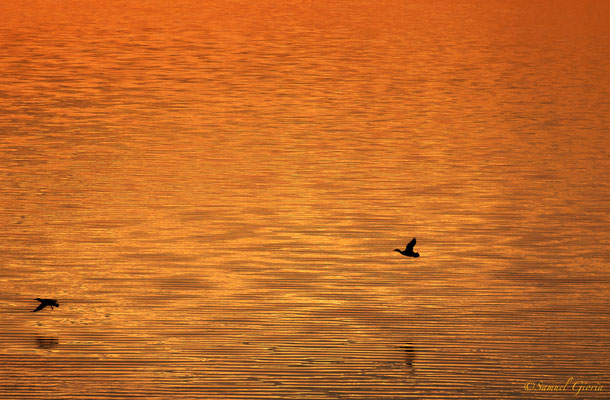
(46, 302)
(408, 251)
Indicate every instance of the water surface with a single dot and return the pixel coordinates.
(213, 193)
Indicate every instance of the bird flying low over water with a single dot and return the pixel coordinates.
(408, 251)
(46, 302)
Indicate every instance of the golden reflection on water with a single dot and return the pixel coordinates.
(213, 193)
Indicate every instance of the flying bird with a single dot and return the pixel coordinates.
(46, 302)
(408, 251)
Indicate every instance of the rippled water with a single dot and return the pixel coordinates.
(213, 193)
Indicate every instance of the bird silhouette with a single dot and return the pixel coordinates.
(46, 302)
(408, 251)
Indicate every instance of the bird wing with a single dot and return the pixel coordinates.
(40, 307)
(411, 245)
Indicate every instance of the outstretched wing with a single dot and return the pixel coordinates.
(40, 307)
(411, 245)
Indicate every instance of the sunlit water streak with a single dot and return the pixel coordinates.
(213, 193)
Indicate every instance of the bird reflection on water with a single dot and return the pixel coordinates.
(46, 342)
(409, 354)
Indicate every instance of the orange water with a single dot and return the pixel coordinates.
(213, 190)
